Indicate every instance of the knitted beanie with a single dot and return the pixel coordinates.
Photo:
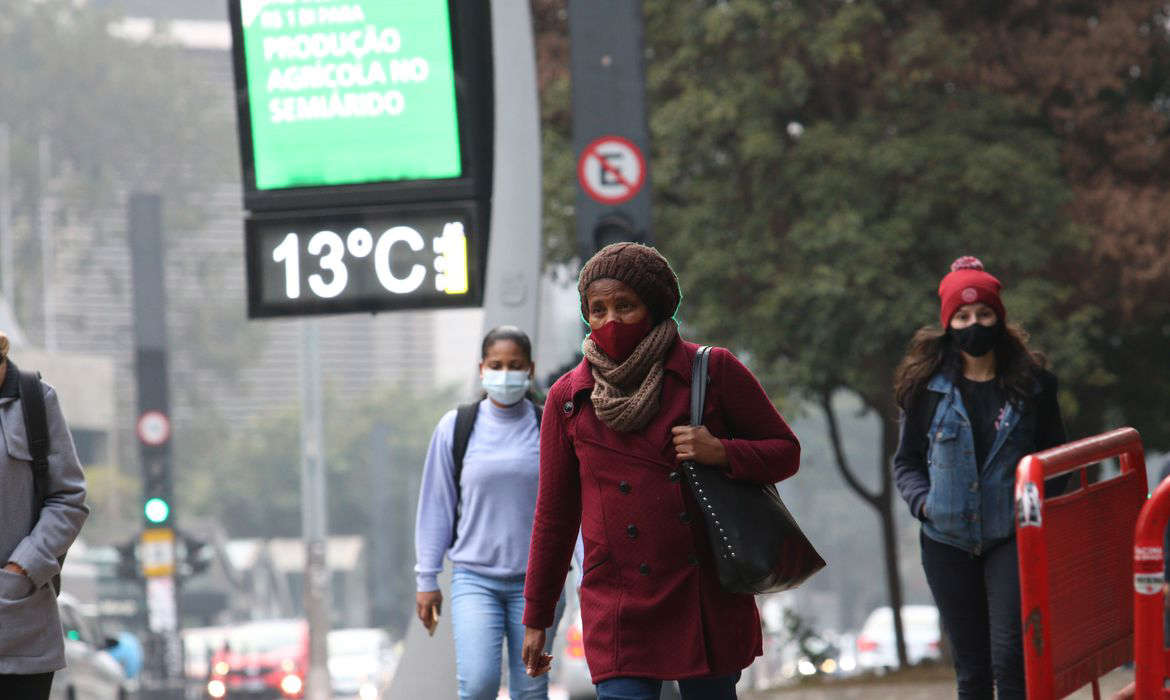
(642, 268)
(967, 283)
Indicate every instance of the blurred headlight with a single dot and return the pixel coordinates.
(368, 691)
(806, 667)
(828, 666)
(221, 668)
(216, 689)
(291, 684)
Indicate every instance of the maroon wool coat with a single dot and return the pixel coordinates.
(651, 603)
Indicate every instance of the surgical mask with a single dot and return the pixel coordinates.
(506, 386)
(977, 339)
(618, 340)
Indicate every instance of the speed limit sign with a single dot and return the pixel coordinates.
(154, 428)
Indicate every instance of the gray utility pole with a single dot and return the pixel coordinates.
(314, 513)
(45, 236)
(515, 253)
(7, 244)
(511, 293)
(164, 674)
(610, 133)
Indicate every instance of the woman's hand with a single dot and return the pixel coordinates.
(428, 605)
(535, 660)
(696, 443)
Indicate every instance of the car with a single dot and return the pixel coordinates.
(261, 660)
(199, 645)
(362, 662)
(90, 672)
(875, 643)
(570, 673)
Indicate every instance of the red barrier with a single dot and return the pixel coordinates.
(1151, 659)
(1074, 552)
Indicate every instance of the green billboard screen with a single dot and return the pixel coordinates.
(346, 92)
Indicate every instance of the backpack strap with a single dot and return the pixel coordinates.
(36, 427)
(465, 417)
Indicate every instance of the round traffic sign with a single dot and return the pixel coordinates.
(611, 170)
(154, 428)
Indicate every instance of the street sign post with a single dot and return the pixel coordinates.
(611, 170)
(164, 673)
(610, 132)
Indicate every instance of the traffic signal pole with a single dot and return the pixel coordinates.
(611, 136)
(515, 254)
(314, 513)
(164, 670)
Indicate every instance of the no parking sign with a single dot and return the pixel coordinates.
(611, 170)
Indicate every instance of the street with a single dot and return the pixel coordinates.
(922, 685)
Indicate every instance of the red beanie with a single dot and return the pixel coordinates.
(967, 283)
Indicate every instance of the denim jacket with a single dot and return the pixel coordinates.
(967, 507)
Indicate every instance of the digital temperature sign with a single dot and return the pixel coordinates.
(365, 259)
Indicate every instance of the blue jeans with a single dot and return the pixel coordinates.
(717, 688)
(978, 600)
(485, 611)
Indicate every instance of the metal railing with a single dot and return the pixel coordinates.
(1074, 554)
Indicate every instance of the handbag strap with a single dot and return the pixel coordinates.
(699, 384)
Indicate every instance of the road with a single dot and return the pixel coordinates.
(927, 687)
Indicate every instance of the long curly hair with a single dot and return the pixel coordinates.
(932, 349)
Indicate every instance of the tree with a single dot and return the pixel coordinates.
(818, 169)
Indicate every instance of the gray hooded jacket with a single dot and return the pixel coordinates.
(30, 629)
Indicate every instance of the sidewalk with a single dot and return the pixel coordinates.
(918, 684)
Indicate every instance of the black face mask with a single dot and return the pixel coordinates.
(977, 339)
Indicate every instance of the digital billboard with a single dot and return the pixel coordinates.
(365, 259)
(352, 91)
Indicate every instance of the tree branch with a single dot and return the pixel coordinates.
(874, 499)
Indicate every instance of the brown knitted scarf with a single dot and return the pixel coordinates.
(625, 397)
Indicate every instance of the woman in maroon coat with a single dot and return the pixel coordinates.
(614, 432)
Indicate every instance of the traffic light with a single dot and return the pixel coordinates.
(615, 227)
(196, 555)
(128, 566)
(156, 492)
(157, 511)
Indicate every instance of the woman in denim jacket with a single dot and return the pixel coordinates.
(975, 400)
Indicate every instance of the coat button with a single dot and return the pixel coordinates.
(675, 476)
(631, 531)
(624, 487)
(644, 569)
(692, 560)
(567, 407)
(685, 517)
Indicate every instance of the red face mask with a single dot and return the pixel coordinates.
(617, 340)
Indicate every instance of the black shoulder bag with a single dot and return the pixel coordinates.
(757, 544)
(36, 428)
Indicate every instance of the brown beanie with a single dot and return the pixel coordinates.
(642, 268)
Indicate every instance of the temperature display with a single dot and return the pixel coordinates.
(364, 260)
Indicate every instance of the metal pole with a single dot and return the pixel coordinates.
(7, 284)
(515, 259)
(314, 513)
(45, 236)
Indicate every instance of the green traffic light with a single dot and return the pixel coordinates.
(157, 510)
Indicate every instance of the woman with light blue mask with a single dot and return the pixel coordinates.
(476, 506)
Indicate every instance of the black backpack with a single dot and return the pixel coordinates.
(465, 417)
(36, 426)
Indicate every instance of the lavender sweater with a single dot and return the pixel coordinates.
(499, 496)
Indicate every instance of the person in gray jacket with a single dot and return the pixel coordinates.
(31, 643)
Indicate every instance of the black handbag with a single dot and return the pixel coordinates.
(757, 544)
